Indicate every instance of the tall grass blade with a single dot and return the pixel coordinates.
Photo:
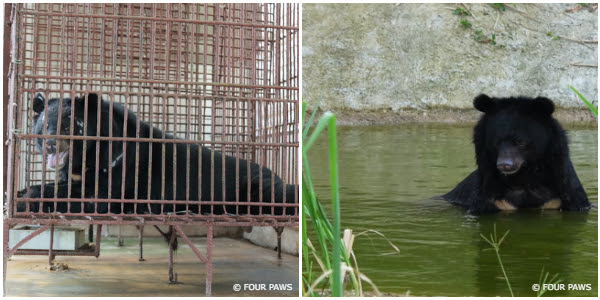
(495, 243)
(592, 108)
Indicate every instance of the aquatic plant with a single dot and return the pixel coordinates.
(333, 254)
(543, 281)
(495, 243)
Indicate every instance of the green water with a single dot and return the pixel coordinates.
(388, 175)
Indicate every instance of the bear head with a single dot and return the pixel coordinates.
(514, 134)
(63, 117)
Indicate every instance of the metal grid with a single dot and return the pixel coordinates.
(220, 76)
(224, 76)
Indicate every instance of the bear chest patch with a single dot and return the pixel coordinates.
(505, 205)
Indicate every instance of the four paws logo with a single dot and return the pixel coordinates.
(263, 287)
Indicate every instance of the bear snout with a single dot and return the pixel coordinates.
(50, 146)
(508, 166)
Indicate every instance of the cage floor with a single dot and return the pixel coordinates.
(117, 272)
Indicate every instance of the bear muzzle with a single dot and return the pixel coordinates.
(510, 159)
(508, 166)
(56, 159)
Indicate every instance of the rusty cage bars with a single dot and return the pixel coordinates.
(222, 76)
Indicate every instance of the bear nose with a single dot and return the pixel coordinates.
(51, 146)
(505, 165)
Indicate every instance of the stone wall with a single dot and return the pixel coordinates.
(394, 57)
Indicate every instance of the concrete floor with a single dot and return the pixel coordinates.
(117, 272)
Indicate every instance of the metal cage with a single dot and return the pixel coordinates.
(224, 77)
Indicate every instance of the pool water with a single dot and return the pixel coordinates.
(388, 175)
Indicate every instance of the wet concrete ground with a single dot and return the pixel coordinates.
(117, 272)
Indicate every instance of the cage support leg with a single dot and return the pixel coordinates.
(172, 274)
(204, 258)
(141, 242)
(50, 249)
(91, 233)
(279, 231)
(120, 238)
(209, 244)
(5, 256)
(98, 236)
(167, 236)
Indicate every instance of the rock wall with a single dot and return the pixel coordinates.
(393, 57)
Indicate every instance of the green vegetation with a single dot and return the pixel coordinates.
(333, 254)
(544, 280)
(554, 37)
(465, 23)
(483, 38)
(495, 243)
(327, 233)
(499, 6)
(479, 35)
(590, 106)
(460, 12)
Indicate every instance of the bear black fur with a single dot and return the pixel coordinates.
(252, 179)
(522, 160)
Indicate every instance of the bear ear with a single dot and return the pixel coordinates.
(38, 103)
(544, 105)
(79, 99)
(92, 100)
(483, 103)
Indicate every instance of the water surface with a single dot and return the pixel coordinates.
(388, 176)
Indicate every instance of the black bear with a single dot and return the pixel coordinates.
(522, 160)
(89, 167)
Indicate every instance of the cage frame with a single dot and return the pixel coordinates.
(12, 102)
